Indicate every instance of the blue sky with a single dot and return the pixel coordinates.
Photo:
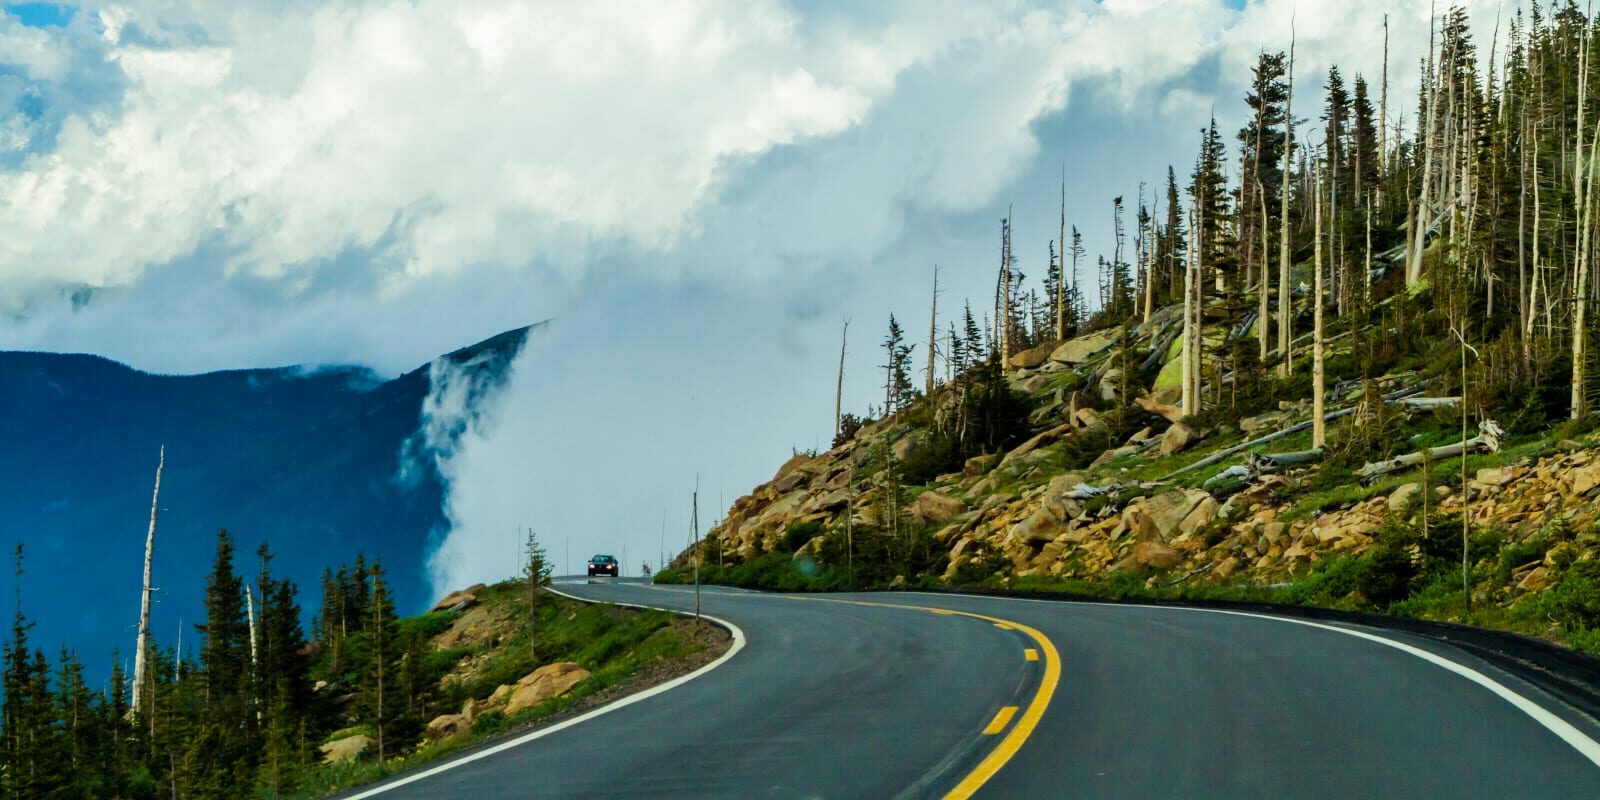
(698, 192)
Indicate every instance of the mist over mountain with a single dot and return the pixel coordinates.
(321, 463)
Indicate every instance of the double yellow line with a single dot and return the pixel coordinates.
(1013, 741)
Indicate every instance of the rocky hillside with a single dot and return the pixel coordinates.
(1124, 495)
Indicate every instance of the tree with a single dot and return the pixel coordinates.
(380, 707)
(897, 391)
(536, 572)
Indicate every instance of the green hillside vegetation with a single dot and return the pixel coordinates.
(252, 706)
(1348, 365)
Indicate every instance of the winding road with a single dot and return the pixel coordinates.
(912, 695)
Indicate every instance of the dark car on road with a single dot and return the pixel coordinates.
(602, 565)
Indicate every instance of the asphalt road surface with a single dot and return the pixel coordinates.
(911, 695)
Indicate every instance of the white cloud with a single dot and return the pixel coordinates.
(273, 181)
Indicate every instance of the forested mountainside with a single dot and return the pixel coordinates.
(1347, 358)
(316, 462)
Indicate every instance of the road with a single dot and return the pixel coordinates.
(873, 696)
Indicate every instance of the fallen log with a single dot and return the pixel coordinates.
(1263, 463)
(1226, 453)
(1488, 439)
(1422, 403)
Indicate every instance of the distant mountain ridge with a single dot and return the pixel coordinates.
(320, 463)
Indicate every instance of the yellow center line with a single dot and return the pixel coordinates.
(1030, 654)
(1003, 626)
(1013, 741)
(1001, 719)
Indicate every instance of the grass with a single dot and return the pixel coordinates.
(612, 643)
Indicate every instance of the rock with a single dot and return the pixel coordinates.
(934, 508)
(790, 482)
(980, 465)
(1402, 495)
(1087, 418)
(1032, 358)
(1109, 383)
(341, 750)
(446, 726)
(1585, 480)
(1226, 569)
(1043, 525)
(1273, 531)
(501, 692)
(795, 462)
(1160, 517)
(550, 680)
(1200, 516)
(1495, 477)
(1177, 438)
(903, 446)
(1170, 413)
(1141, 437)
(1083, 348)
(1048, 437)
(474, 627)
(1537, 579)
(458, 600)
(1156, 555)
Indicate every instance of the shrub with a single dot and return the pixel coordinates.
(1385, 575)
(798, 534)
(1576, 598)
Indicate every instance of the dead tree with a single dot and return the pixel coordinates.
(838, 392)
(141, 656)
(933, 334)
(1285, 301)
(1319, 428)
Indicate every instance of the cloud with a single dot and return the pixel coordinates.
(697, 191)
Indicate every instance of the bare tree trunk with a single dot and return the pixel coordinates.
(141, 657)
(1419, 234)
(250, 616)
(838, 392)
(1383, 112)
(1061, 278)
(1263, 339)
(1285, 301)
(1319, 427)
(933, 330)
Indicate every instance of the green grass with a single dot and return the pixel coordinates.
(612, 643)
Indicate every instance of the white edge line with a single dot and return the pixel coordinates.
(738, 644)
(1563, 730)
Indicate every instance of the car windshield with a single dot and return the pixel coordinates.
(602, 560)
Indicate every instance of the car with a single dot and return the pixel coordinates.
(603, 565)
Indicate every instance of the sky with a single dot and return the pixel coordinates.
(695, 193)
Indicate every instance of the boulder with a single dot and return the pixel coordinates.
(1170, 413)
(346, 749)
(459, 600)
(1087, 418)
(1156, 555)
(1083, 348)
(1159, 517)
(795, 462)
(1403, 495)
(1044, 525)
(1198, 517)
(789, 483)
(1585, 479)
(1032, 358)
(446, 726)
(934, 508)
(1048, 437)
(1495, 477)
(1177, 438)
(1110, 383)
(550, 680)
(902, 448)
(980, 465)
(1227, 568)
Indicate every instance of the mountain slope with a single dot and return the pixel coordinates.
(321, 464)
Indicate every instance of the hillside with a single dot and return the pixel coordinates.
(308, 460)
(1100, 497)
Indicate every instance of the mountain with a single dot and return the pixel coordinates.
(320, 463)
